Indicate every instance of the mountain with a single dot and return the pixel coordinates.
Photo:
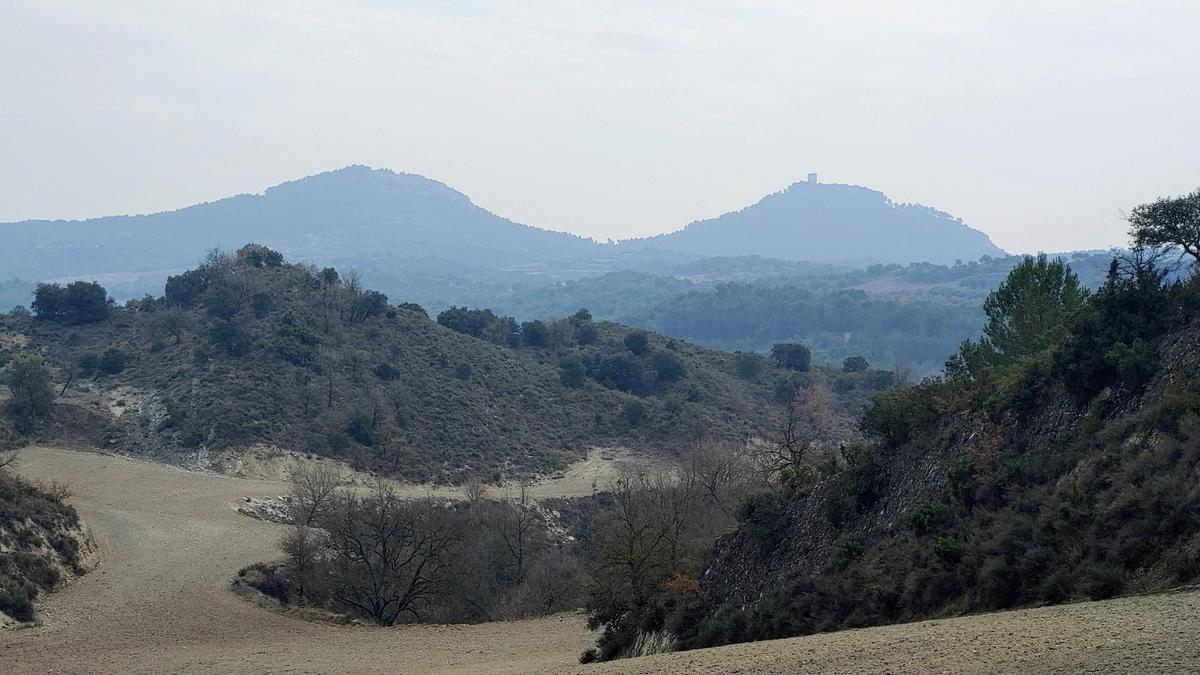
(355, 212)
(831, 223)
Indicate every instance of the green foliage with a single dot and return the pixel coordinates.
(895, 415)
(792, 355)
(30, 519)
(855, 364)
(535, 334)
(32, 394)
(620, 371)
(634, 413)
(259, 256)
(637, 342)
(229, 337)
(752, 317)
(1170, 222)
(184, 290)
(80, 302)
(1110, 339)
(1027, 313)
(482, 323)
(89, 363)
(748, 365)
(367, 305)
(296, 340)
(112, 361)
(667, 367)
(572, 371)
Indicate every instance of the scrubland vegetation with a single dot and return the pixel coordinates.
(38, 539)
(1055, 460)
(247, 349)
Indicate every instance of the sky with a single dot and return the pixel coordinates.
(1038, 123)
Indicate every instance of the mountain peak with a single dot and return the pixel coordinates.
(832, 223)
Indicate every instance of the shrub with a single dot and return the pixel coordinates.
(572, 371)
(855, 364)
(635, 413)
(637, 342)
(668, 367)
(80, 302)
(586, 334)
(894, 415)
(792, 355)
(387, 372)
(747, 365)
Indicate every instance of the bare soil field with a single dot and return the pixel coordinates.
(158, 600)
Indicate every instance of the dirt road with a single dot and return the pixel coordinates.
(159, 602)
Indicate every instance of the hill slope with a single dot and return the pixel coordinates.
(247, 350)
(833, 224)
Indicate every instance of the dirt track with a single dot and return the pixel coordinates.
(159, 602)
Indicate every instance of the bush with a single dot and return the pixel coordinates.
(667, 367)
(572, 371)
(747, 365)
(792, 355)
(112, 361)
(80, 302)
(637, 342)
(894, 415)
(634, 413)
(586, 334)
(387, 372)
(855, 364)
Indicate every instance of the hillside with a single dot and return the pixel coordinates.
(831, 223)
(1056, 461)
(41, 539)
(247, 350)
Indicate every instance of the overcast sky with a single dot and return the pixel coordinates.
(1039, 126)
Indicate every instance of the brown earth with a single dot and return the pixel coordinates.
(159, 601)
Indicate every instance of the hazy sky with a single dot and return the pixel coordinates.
(610, 119)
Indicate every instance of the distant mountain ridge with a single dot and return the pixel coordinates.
(352, 212)
(831, 223)
(422, 240)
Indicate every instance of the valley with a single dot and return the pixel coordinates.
(159, 599)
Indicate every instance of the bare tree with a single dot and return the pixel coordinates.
(807, 425)
(475, 492)
(314, 486)
(9, 458)
(302, 545)
(723, 474)
(519, 519)
(389, 556)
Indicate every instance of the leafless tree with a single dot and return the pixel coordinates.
(644, 541)
(302, 544)
(9, 458)
(389, 556)
(475, 492)
(723, 474)
(807, 425)
(314, 486)
(519, 519)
